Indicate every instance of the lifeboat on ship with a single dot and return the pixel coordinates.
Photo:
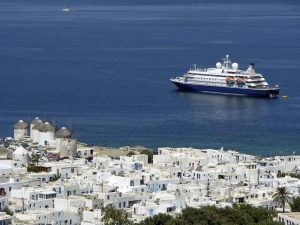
(230, 81)
(240, 81)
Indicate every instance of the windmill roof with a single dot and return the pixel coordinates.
(63, 133)
(38, 125)
(35, 121)
(21, 125)
(47, 127)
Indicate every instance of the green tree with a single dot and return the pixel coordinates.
(35, 158)
(55, 177)
(282, 196)
(295, 175)
(8, 211)
(211, 215)
(280, 174)
(159, 219)
(113, 216)
(149, 153)
(130, 153)
(257, 214)
(6, 145)
(295, 204)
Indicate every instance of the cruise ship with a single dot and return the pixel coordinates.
(226, 78)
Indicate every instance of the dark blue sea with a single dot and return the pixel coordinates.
(103, 69)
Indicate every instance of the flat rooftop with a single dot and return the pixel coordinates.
(293, 215)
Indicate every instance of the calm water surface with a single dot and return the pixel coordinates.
(103, 69)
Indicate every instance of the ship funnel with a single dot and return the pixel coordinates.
(251, 69)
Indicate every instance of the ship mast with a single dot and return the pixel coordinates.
(227, 62)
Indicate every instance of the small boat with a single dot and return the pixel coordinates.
(285, 96)
(66, 9)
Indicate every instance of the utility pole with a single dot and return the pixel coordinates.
(207, 188)
(23, 208)
(258, 173)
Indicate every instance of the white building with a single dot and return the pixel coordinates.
(35, 121)
(65, 145)
(47, 216)
(100, 162)
(21, 156)
(292, 218)
(46, 134)
(178, 178)
(20, 130)
(85, 152)
(34, 134)
(5, 219)
(93, 217)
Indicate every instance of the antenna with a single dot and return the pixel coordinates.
(45, 117)
(28, 117)
(54, 121)
(70, 128)
(23, 208)
(70, 124)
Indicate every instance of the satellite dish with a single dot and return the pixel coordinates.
(235, 66)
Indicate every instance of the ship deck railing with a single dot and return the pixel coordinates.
(225, 84)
